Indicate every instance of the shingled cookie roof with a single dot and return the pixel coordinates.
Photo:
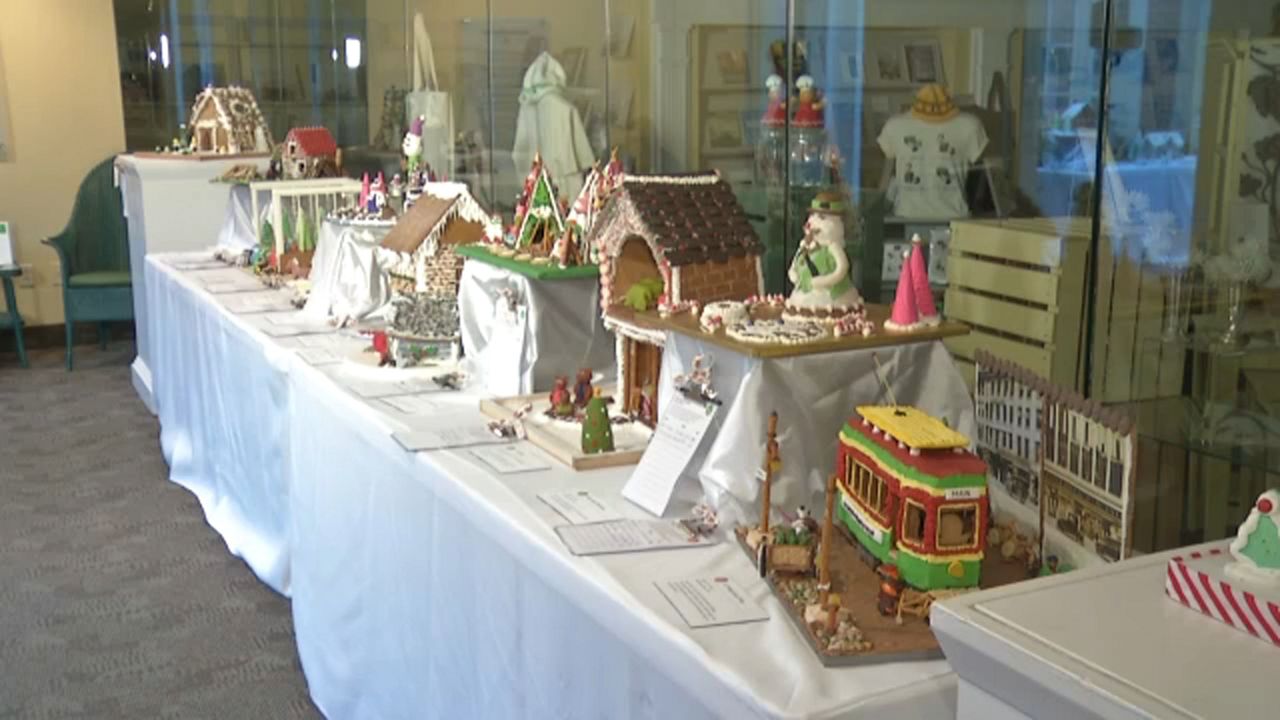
(689, 218)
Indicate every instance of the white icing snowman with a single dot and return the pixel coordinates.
(820, 269)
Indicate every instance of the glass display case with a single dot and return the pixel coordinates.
(1137, 142)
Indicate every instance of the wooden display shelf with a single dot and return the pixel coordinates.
(562, 440)
(686, 323)
(549, 271)
(199, 157)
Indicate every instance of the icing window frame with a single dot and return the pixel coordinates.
(967, 507)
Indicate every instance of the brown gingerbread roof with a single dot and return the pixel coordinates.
(1113, 418)
(688, 219)
(432, 214)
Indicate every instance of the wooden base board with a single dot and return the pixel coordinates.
(858, 586)
(686, 323)
(566, 450)
(549, 271)
(199, 157)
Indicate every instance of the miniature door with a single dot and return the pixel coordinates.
(644, 368)
(204, 139)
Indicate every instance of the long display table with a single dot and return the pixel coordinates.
(425, 585)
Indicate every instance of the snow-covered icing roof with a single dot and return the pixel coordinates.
(424, 226)
(236, 110)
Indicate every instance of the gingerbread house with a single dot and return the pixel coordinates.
(424, 238)
(309, 152)
(540, 219)
(226, 120)
(672, 240)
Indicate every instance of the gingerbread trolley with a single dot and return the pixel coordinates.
(667, 241)
(913, 495)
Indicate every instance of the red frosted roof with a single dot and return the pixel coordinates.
(313, 140)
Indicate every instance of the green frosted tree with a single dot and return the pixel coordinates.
(597, 433)
(1263, 546)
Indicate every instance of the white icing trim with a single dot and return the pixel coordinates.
(653, 337)
(1243, 566)
(700, 179)
(675, 286)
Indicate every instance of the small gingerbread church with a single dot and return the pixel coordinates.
(425, 236)
(668, 240)
(226, 120)
(540, 218)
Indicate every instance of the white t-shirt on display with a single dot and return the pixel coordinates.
(932, 160)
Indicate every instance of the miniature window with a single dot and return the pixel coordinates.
(1073, 457)
(1116, 485)
(958, 526)
(913, 522)
(870, 489)
(1100, 468)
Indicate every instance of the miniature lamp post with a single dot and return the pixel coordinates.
(824, 559)
(832, 606)
(771, 462)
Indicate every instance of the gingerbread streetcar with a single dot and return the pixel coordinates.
(904, 525)
(913, 495)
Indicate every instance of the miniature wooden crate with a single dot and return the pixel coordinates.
(1020, 284)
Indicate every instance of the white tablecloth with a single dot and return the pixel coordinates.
(170, 206)
(220, 393)
(555, 329)
(426, 586)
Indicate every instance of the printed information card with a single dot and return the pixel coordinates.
(708, 602)
(625, 536)
(579, 507)
(680, 430)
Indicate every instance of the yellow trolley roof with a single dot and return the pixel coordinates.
(913, 427)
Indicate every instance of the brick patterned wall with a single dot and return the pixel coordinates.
(442, 272)
(706, 282)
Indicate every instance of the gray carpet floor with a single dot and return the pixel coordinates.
(116, 599)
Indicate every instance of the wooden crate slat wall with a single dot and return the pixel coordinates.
(1021, 285)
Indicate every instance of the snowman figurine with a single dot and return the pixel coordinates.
(820, 270)
(412, 147)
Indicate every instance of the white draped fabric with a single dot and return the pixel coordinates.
(425, 585)
(813, 396)
(348, 281)
(222, 400)
(553, 329)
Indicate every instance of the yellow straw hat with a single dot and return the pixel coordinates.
(933, 104)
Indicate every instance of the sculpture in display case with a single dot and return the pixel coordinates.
(227, 121)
